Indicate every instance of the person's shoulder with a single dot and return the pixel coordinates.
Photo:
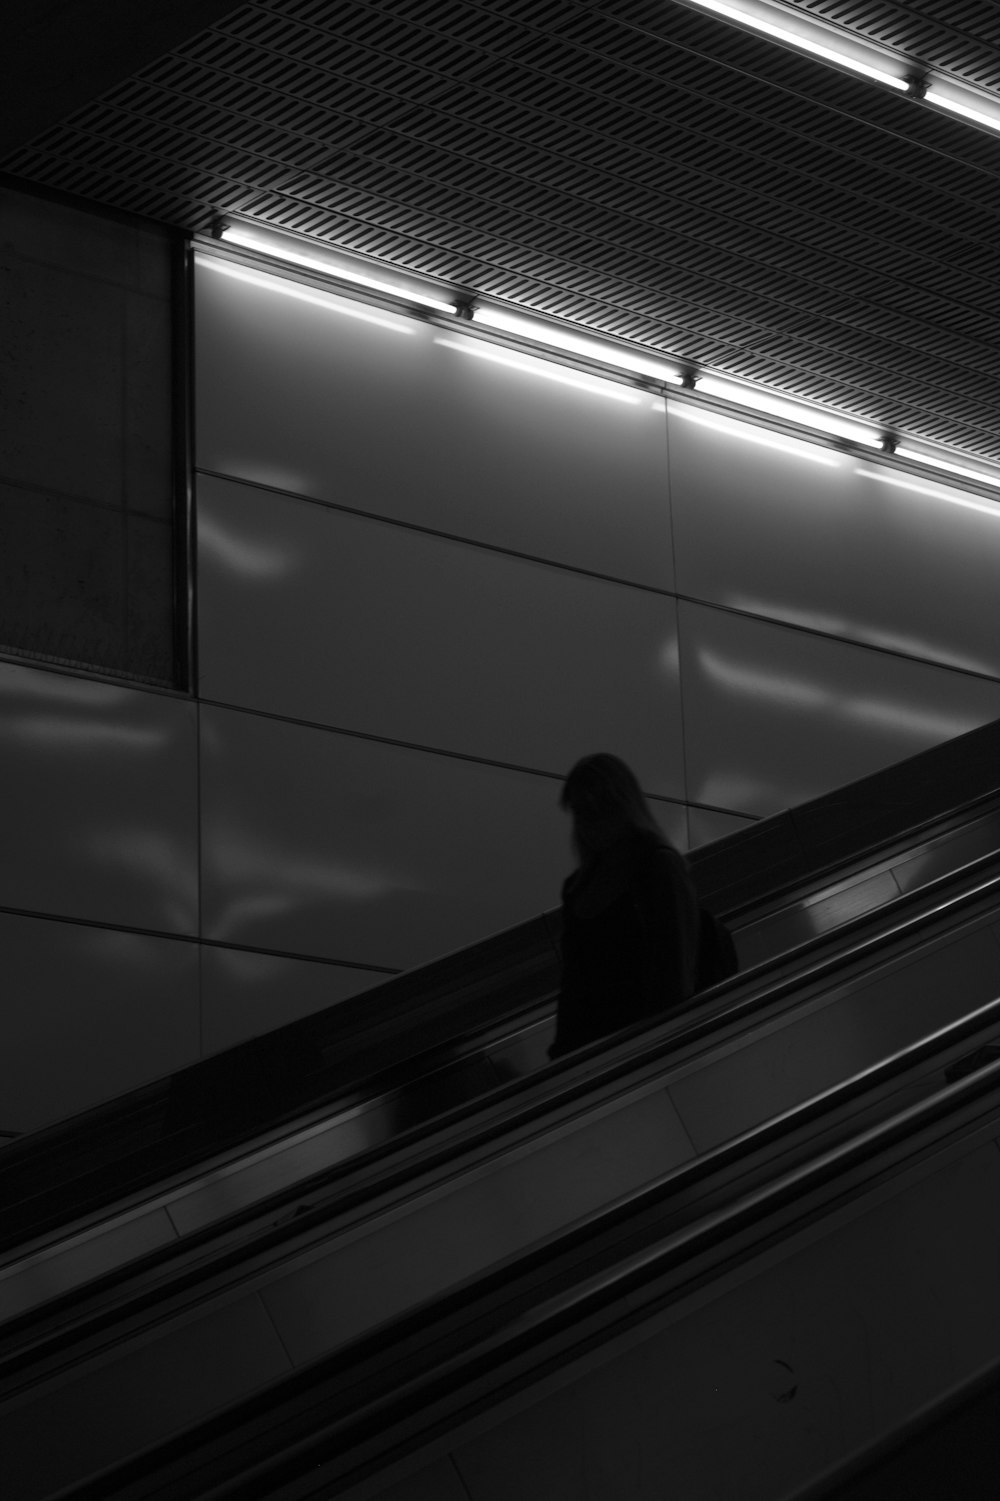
(656, 852)
(657, 859)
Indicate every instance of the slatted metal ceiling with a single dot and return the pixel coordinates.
(635, 166)
(961, 37)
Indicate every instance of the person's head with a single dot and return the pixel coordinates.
(605, 802)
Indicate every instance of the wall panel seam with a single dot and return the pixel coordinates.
(452, 755)
(32, 914)
(431, 531)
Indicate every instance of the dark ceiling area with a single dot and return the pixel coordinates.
(636, 166)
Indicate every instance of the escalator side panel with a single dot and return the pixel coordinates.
(940, 857)
(727, 1088)
(157, 1388)
(349, 1282)
(800, 922)
(218, 1355)
(835, 1036)
(758, 1383)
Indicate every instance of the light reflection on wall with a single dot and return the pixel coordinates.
(80, 734)
(54, 688)
(545, 369)
(737, 789)
(266, 881)
(749, 433)
(147, 855)
(933, 492)
(281, 286)
(842, 629)
(238, 555)
(901, 719)
(670, 657)
(756, 682)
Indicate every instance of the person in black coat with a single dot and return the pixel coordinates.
(630, 914)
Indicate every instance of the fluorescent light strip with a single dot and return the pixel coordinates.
(540, 332)
(733, 428)
(796, 38)
(285, 288)
(532, 366)
(775, 406)
(958, 107)
(239, 234)
(978, 475)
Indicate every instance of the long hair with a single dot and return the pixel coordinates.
(602, 785)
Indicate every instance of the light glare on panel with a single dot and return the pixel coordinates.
(986, 507)
(540, 332)
(287, 250)
(531, 366)
(733, 428)
(806, 39)
(775, 406)
(285, 288)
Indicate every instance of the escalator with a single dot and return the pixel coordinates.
(885, 971)
(132, 1178)
(546, 1269)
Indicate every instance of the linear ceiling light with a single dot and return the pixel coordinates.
(284, 248)
(774, 406)
(540, 332)
(807, 37)
(979, 475)
(961, 106)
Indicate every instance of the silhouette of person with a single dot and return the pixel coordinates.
(630, 913)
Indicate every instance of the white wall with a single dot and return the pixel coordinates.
(431, 574)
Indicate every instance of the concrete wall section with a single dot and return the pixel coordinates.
(86, 456)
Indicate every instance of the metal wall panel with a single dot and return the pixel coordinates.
(773, 717)
(705, 826)
(329, 398)
(87, 1014)
(100, 817)
(334, 845)
(245, 994)
(321, 615)
(856, 548)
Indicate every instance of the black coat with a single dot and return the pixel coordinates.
(629, 940)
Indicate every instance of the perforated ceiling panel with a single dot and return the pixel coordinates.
(961, 37)
(636, 166)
